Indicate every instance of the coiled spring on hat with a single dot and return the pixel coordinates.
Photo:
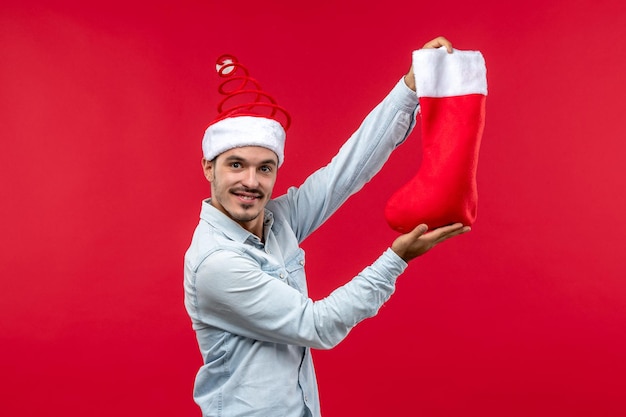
(243, 94)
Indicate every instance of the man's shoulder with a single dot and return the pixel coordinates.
(208, 241)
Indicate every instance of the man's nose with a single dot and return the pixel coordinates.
(250, 178)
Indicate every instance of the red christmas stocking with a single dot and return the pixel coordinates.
(452, 90)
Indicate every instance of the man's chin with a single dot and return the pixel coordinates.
(245, 215)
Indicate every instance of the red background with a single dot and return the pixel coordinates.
(102, 109)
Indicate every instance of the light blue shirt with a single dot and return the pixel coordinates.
(248, 300)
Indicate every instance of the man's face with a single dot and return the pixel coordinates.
(242, 180)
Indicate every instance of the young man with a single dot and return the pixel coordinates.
(245, 286)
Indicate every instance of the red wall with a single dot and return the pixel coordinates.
(102, 109)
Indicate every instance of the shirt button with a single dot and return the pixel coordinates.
(281, 276)
(302, 263)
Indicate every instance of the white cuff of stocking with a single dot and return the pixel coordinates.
(440, 74)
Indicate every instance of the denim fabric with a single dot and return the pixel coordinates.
(248, 301)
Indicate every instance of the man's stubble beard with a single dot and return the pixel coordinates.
(243, 218)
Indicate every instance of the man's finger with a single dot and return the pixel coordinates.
(446, 232)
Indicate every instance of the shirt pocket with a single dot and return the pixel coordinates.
(295, 271)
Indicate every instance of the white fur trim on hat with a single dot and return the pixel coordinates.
(440, 74)
(239, 131)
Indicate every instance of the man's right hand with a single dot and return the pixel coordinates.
(438, 42)
(417, 242)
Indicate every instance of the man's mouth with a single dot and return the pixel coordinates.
(247, 195)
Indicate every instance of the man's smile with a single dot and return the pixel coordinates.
(247, 195)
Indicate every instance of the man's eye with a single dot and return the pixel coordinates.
(266, 169)
(235, 165)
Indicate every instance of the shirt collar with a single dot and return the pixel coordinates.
(228, 226)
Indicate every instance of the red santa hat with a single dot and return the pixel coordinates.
(247, 116)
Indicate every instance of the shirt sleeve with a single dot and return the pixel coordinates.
(358, 160)
(242, 299)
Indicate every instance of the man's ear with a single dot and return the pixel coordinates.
(208, 168)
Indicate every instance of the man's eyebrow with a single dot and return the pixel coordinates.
(236, 158)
